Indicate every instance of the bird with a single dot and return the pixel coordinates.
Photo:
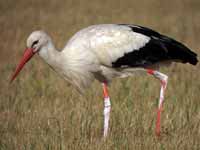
(106, 51)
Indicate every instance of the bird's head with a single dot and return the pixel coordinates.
(35, 42)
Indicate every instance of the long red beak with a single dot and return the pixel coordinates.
(28, 53)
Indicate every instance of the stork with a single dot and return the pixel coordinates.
(107, 51)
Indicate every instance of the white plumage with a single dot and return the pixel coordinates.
(106, 51)
(89, 53)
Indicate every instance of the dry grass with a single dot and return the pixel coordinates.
(40, 111)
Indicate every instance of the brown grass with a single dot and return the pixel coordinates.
(40, 111)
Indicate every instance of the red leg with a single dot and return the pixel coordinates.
(163, 78)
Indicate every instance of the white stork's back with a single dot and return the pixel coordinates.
(108, 41)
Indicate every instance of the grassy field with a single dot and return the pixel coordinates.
(41, 112)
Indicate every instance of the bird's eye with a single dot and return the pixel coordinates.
(34, 43)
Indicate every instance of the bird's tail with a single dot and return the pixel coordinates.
(178, 51)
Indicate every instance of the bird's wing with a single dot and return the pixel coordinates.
(112, 42)
(153, 51)
(123, 45)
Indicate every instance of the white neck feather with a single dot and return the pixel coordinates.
(71, 70)
(50, 54)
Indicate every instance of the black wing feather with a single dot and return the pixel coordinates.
(159, 48)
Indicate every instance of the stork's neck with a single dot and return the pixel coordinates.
(50, 54)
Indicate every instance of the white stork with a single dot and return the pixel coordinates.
(107, 51)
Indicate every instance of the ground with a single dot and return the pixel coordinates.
(40, 111)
